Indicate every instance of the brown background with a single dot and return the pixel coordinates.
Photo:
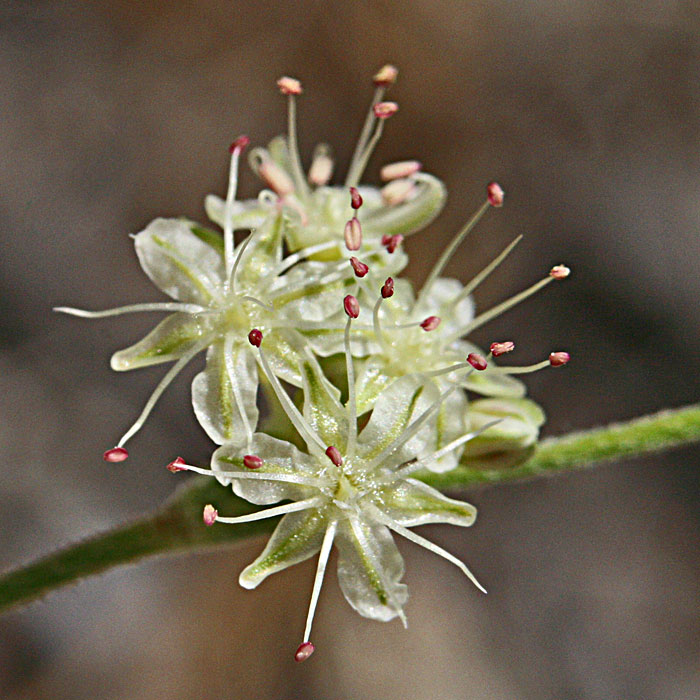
(587, 112)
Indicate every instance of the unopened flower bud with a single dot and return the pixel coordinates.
(304, 651)
(388, 288)
(498, 349)
(404, 168)
(397, 191)
(240, 144)
(353, 234)
(557, 359)
(174, 465)
(289, 86)
(116, 454)
(351, 306)
(359, 267)
(385, 76)
(559, 272)
(333, 454)
(255, 337)
(495, 194)
(384, 110)
(321, 166)
(252, 462)
(209, 515)
(430, 323)
(355, 198)
(477, 361)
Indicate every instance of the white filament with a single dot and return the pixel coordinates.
(273, 512)
(132, 308)
(320, 571)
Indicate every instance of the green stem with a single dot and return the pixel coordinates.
(178, 526)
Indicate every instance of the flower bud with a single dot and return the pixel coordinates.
(209, 515)
(404, 168)
(351, 306)
(385, 76)
(384, 110)
(240, 144)
(498, 349)
(359, 267)
(252, 462)
(116, 454)
(477, 361)
(559, 272)
(388, 288)
(255, 337)
(289, 86)
(173, 466)
(333, 454)
(353, 234)
(355, 198)
(304, 651)
(557, 359)
(495, 194)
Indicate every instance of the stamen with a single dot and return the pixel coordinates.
(404, 168)
(385, 76)
(116, 454)
(430, 323)
(350, 370)
(353, 234)
(355, 198)
(302, 254)
(258, 476)
(397, 191)
(160, 388)
(495, 194)
(294, 507)
(388, 288)
(289, 86)
(252, 461)
(559, 272)
(231, 273)
(557, 359)
(477, 361)
(351, 306)
(209, 515)
(333, 453)
(304, 651)
(254, 300)
(318, 582)
(292, 87)
(384, 110)
(233, 380)
(274, 176)
(255, 337)
(498, 349)
(175, 467)
(359, 267)
(391, 243)
(236, 148)
(321, 168)
(132, 308)
(380, 111)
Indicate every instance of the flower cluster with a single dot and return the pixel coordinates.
(316, 279)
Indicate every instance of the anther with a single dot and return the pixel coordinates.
(274, 176)
(351, 306)
(333, 453)
(404, 168)
(498, 349)
(116, 454)
(388, 288)
(430, 323)
(304, 651)
(240, 144)
(559, 272)
(384, 110)
(289, 86)
(397, 191)
(557, 359)
(391, 243)
(359, 267)
(385, 76)
(255, 337)
(321, 166)
(353, 234)
(252, 462)
(495, 194)
(355, 198)
(477, 361)
(174, 465)
(209, 515)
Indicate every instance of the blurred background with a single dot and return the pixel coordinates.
(587, 112)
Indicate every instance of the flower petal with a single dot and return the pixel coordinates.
(372, 379)
(179, 262)
(284, 349)
(261, 256)
(410, 502)
(370, 569)
(451, 423)
(213, 397)
(297, 537)
(169, 340)
(249, 214)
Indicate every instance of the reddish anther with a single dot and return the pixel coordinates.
(289, 86)
(304, 651)
(477, 361)
(430, 323)
(384, 110)
(388, 288)
(498, 349)
(495, 194)
(385, 76)
(209, 515)
(359, 267)
(355, 198)
(391, 243)
(116, 454)
(333, 453)
(351, 306)
(557, 359)
(559, 272)
(353, 234)
(252, 462)
(255, 337)
(240, 144)
(173, 466)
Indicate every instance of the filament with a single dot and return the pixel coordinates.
(297, 171)
(351, 405)
(228, 223)
(238, 399)
(132, 308)
(524, 370)
(320, 571)
(231, 274)
(273, 512)
(366, 153)
(258, 476)
(364, 135)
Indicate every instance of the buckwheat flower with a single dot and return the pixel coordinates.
(348, 488)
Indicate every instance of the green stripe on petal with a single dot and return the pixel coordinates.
(169, 340)
(211, 238)
(371, 381)
(297, 537)
(322, 407)
(262, 255)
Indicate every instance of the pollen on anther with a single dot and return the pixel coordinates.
(355, 198)
(559, 272)
(498, 349)
(174, 465)
(351, 306)
(116, 454)
(289, 86)
(252, 462)
(333, 453)
(255, 337)
(360, 268)
(477, 361)
(304, 651)
(384, 110)
(388, 288)
(557, 359)
(240, 144)
(430, 323)
(386, 75)
(209, 515)
(495, 194)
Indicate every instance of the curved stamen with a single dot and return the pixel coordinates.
(231, 276)
(273, 512)
(259, 476)
(254, 300)
(320, 571)
(236, 149)
(132, 308)
(302, 254)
